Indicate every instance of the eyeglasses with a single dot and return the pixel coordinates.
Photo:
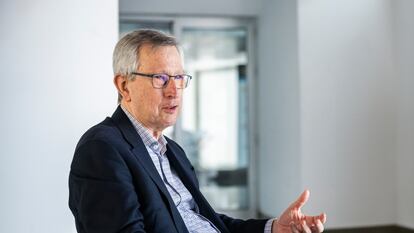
(161, 80)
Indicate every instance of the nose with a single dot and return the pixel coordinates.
(170, 91)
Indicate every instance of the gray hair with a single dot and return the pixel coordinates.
(125, 59)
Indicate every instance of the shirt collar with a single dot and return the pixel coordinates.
(158, 147)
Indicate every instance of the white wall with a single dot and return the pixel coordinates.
(55, 67)
(193, 7)
(348, 110)
(278, 107)
(354, 82)
(405, 64)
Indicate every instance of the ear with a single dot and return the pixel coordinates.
(121, 82)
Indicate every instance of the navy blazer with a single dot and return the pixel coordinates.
(115, 187)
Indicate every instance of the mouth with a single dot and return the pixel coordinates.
(170, 108)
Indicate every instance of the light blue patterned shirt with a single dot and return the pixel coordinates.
(187, 207)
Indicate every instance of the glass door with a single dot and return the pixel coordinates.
(215, 127)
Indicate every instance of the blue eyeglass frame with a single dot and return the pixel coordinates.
(153, 76)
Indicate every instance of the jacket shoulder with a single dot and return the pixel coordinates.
(106, 131)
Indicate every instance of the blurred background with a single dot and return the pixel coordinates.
(286, 95)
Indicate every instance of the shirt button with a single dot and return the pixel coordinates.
(154, 146)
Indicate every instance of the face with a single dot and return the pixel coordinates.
(156, 109)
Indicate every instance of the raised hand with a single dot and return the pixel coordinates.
(293, 220)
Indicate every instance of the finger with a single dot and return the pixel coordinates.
(305, 227)
(322, 217)
(312, 225)
(296, 219)
(294, 215)
(303, 198)
(293, 228)
(319, 225)
(299, 226)
(312, 219)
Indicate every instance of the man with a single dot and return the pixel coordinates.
(127, 177)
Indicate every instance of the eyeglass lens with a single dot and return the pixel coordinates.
(160, 80)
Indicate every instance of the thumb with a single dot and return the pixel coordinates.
(303, 198)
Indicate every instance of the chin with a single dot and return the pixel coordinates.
(169, 123)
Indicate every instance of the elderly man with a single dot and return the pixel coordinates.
(126, 176)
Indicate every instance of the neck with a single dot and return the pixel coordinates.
(154, 132)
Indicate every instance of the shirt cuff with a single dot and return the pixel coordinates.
(268, 226)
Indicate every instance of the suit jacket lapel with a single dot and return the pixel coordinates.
(176, 158)
(142, 155)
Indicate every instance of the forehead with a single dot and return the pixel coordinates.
(160, 59)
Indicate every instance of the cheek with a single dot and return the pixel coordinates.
(151, 101)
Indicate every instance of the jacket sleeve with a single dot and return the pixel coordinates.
(243, 226)
(101, 193)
